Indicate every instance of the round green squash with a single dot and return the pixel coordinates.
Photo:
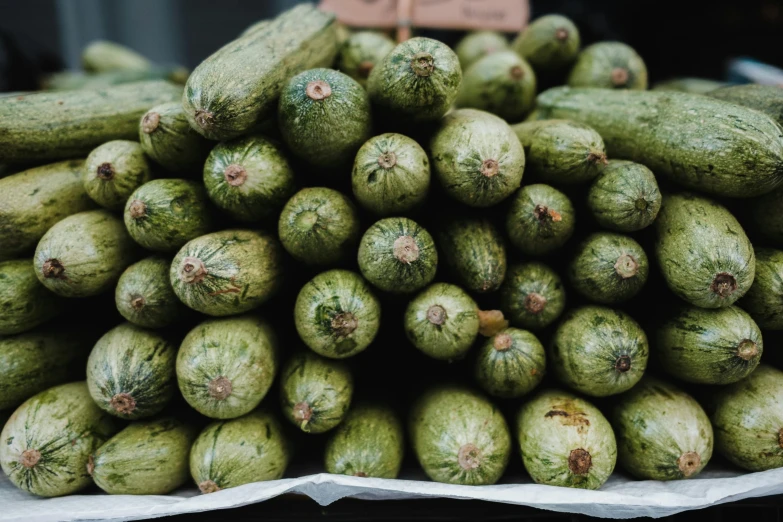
(459, 437)
(477, 44)
(764, 299)
(477, 157)
(397, 255)
(227, 272)
(610, 65)
(324, 117)
(598, 351)
(624, 197)
(84, 254)
(442, 321)
(164, 214)
(169, 140)
(24, 302)
(532, 296)
(131, 372)
(662, 432)
(361, 52)
(391, 175)
(144, 295)
(370, 442)
(319, 226)
(549, 43)
(113, 171)
(336, 314)
(248, 178)
(540, 220)
(717, 346)
(766, 218)
(565, 441)
(231, 453)
(225, 367)
(315, 392)
(609, 268)
(475, 252)
(511, 363)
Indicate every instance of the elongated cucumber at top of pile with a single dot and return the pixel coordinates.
(701, 143)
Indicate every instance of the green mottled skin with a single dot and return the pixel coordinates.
(704, 346)
(502, 83)
(391, 190)
(361, 52)
(624, 197)
(764, 299)
(687, 84)
(655, 424)
(554, 424)
(478, 44)
(765, 98)
(175, 211)
(36, 199)
(241, 350)
(104, 56)
(589, 345)
(65, 426)
(452, 339)
(319, 226)
(476, 252)
(395, 87)
(322, 301)
(596, 64)
(146, 458)
(448, 419)
(701, 143)
(269, 182)
(514, 370)
(240, 83)
(598, 272)
(34, 361)
(538, 233)
(261, 25)
(149, 280)
(252, 448)
(172, 142)
(766, 217)
(130, 167)
(525, 279)
(78, 80)
(93, 247)
(243, 270)
(370, 442)
(748, 417)
(460, 149)
(551, 42)
(561, 152)
(69, 124)
(24, 302)
(324, 386)
(133, 361)
(696, 240)
(379, 265)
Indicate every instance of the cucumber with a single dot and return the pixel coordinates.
(315, 392)
(113, 171)
(225, 367)
(540, 220)
(397, 255)
(24, 302)
(718, 346)
(391, 175)
(442, 321)
(261, 25)
(238, 85)
(610, 65)
(370, 442)
(144, 295)
(58, 125)
(249, 178)
(598, 351)
(765, 98)
(764, 299)
(361, 52)
(477, 44)
(696, 141)
(146, 458)
(624, 197)
(459, 437)
(477, 158)
(702, 251)
(169, 140)
(72, 81)
(319, 226)
(766, 219)
(475, 251)
(688, 84)
(532, 296)
(84, 254)
(227, 272)
(510, 364)
(231, 453)
(104, 56)
(336, 314)
(130, 372)
(48, 440)
(550, 43)
(565, 441)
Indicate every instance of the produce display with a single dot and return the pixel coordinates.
(333, 249)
